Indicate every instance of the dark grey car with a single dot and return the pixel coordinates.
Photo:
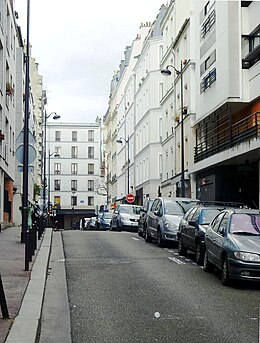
(164, 217)
(232, 244)
(192, 229)
(143, 217)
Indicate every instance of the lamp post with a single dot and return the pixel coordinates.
(120, 140)
(73, 204)
(24, 232)
(55, 117)
(167, 72)
(49, 182)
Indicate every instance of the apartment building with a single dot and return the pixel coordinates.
(119, 123)
(147, 128)
(226, 130)
(178, 105)
(208, 122)
(11, 67)
(74, 163)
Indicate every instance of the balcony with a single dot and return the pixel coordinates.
(222, 136)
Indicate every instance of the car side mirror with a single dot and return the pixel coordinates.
(192, 223)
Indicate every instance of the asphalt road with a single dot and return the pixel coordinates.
(117, 282)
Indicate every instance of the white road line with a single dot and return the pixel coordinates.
(135, 239)
(176, 260)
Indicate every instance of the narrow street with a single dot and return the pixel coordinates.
(117, 283)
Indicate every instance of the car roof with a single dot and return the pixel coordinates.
(245, 210)
(177, 199)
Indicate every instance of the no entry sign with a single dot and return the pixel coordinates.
(130, 198)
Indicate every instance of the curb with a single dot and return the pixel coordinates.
(26, 324)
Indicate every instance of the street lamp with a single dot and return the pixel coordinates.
(55, 117)
(120, 140)
(73, 204)
(25, 209)
(167, 72)
(55, 154)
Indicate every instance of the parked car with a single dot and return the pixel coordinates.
(98, 220)
(164, 217)
(143, 216)
(192, 229)
(84, 223)
(125, 217)
(232, 244)
(92, 223)
(105, 221)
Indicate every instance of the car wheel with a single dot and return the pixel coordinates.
(160, 241)
(207, 266)
(147, 237)
(224, 272)
(181, 248)
(199, 254)
(139, 231)
(118, 227)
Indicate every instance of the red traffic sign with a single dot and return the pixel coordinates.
(130, 198)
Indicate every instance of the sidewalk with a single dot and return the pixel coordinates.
(23, 289)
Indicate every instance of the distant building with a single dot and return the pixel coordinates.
(75, 187)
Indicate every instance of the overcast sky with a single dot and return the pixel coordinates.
(78, 45)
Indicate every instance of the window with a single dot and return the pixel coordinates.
(223, 225)
(74, 200)
(90, 185)
(57, 201)
(74, 185)
(91, 135)
(74, 136)
(206, 8)
(57, 136)
(91, 152)
(74, 152)
(208, 80)
(216, 221)
(208, 24)
(74, 168)
(57, 185)
(90, 168)
(90, 201)
(57, 168)
(57, 150)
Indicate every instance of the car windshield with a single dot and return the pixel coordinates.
(207, 215)
(173, 208)
(130, 209)
(108, 215)
(186, 204)
(245, 223)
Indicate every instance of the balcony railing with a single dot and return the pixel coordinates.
(228, 137)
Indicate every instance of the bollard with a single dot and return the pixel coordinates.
(3, 304)
(27, 251)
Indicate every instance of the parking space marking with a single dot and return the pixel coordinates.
(176, 260)
(135, 238)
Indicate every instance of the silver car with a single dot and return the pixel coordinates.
(125, 217)
(164, 217)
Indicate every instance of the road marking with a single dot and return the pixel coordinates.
(176, 260)
(135, 239)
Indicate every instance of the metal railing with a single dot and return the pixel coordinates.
(228, 137)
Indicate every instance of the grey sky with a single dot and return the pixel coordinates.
(78, 45)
